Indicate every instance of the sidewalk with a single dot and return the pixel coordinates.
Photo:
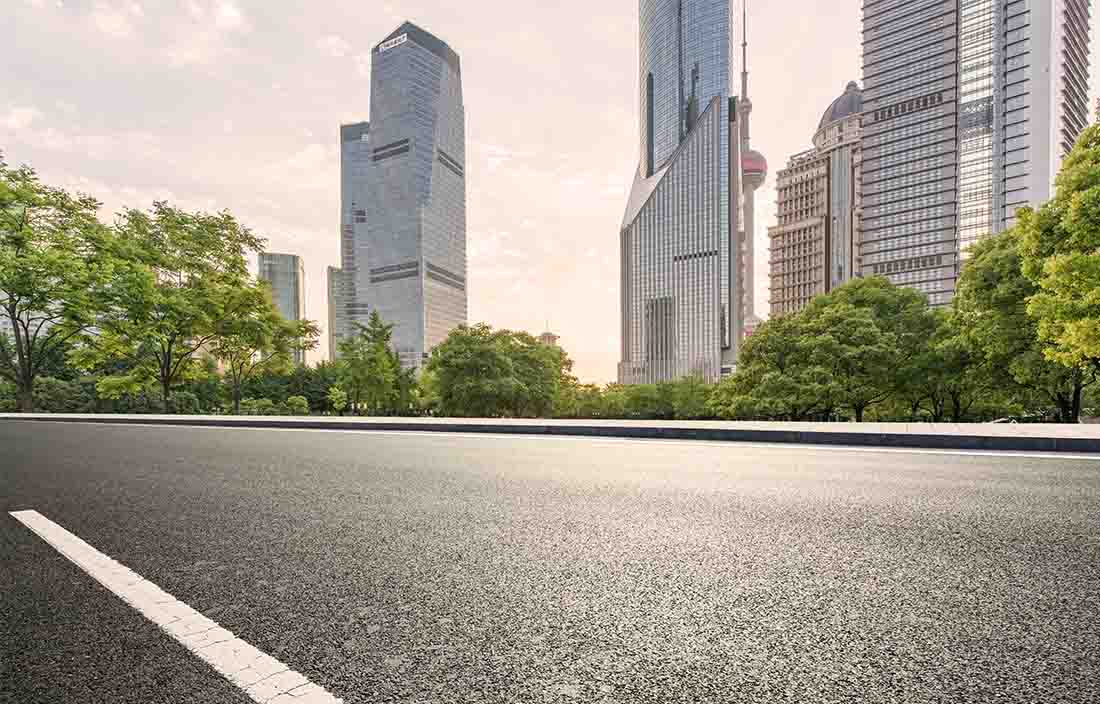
(944, 436)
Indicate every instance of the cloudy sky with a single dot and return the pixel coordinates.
(236, 104)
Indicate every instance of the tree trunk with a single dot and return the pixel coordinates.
(859, 413)
(1078, 391)
(26, 401)
(236, 399)
(166, 396)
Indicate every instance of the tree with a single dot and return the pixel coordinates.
(370, 367)
(297, 406)
(474, 373)
(54, 261)
(196, 282)
(859, 356)
(258, 339)
(991, 303)
(1060, 254)
(337, 399)
(777, 376)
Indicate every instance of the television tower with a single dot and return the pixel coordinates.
(754, 172)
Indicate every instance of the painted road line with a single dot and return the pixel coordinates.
(262, 677)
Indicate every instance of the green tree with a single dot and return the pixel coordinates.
(196, 282)
(258, 339)
(474, 373)
(55, 259)
(777, 376)
(991, 303)
(297, 406)
(370, 367)
(337, 399)
(1060, 253)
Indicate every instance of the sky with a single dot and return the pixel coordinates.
(236, 104)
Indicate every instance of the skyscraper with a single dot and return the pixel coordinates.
(681, 311)
(970, 108)
(403, 214)
(286, 276)
(815, 241)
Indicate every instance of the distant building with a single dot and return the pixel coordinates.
(969, 109)
(336, 284)
(815, 241)
(287, 277)
(403, 214)
(549, 338)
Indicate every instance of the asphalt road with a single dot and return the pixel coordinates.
(443, 568)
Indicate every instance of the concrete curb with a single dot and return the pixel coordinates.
(845, 435)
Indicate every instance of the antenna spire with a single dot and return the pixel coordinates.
(744, 49)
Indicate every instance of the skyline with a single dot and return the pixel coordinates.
(239, 109)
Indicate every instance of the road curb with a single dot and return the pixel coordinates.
(848, 436)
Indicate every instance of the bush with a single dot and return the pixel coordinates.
(297, 406)
(184, 403)
(258, 407)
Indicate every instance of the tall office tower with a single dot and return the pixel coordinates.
(286, 276)
(815, 241)
(404, 195)
(680, 308)
(970, 107)
(754, 169)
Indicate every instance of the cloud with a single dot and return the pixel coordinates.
(206, 43)
(334, 46)
(18, 118)
(116, 19)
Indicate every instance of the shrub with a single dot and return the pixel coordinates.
(297, 406)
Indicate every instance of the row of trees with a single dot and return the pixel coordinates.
(133, 316)
(137, 304)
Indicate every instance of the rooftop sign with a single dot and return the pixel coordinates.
(396, 41)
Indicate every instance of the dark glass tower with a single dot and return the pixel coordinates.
(680, 311)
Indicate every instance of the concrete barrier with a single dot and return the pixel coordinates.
(997, 437)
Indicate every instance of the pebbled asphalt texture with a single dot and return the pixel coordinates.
(436, 568)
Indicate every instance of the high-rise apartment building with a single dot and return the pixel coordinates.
(403, 213)
(815, 241)
(681, 311)
(970, 106)
(286, 276)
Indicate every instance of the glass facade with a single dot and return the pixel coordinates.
(970, 107)
(910, 148)
(678, 274)
(286, 276)
(346, 308)
(404, 212)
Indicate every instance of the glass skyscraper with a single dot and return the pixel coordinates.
(286, 276)
(970, 107)
(403, 212)
(680, 309)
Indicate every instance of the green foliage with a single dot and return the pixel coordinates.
(991, 305)
(481, 372)
(371, 369)
(297, 406)
(337, 399)
(1060, 254)
(184, 403)
(55, 261)
(257, 338)
(192, 281)
(259, 407)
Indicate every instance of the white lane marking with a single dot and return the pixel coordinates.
(535, 437)
(261, 676)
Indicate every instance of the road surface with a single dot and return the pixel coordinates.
(454, 568)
